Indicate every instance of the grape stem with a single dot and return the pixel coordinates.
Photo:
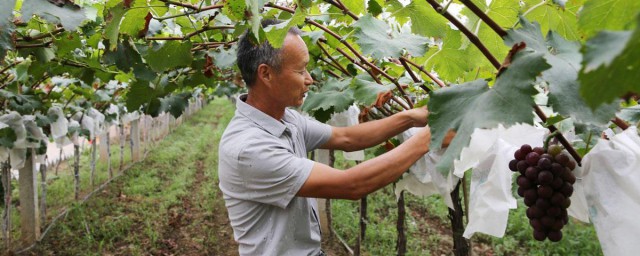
(548, 139)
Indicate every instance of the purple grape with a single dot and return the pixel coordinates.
(569, 177)
(520, 191)
(567, 203)
(547, 221)
(571, 165)
(545, 177)
(567, 189)
(536, 224)
(539, 235)
(518, 155)
(523, 182)
(545, 191)
(557, 168)
(531, 173)
(547, 156)
(522, 166)
(513, 165)
(538, 150)
(525, 149)
(532, 158)
(534, 212)
(562, 159)
(555, 236)
(531, 194)
(544, 164)
(529, 202)
(557, 225)
(557, 183)
(554, 211)
(542, 203)
(557, 199)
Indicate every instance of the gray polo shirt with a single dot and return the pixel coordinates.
(262, 166)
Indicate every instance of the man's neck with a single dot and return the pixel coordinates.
(265, 104)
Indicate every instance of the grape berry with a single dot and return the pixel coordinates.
(545, 182)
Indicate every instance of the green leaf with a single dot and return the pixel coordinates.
(6, 28)
(449, 60)
(7, 137)
(563, 20)
(68, 15)
(22, 70)
(139, 94)
(475, 105)
(333, 94)
(565, 58)
(224, 59)
(374, 39)
(170, 55)
(134, 21)
(631, 114)
(599, 15)
(175, 104)
(366, 92)
(424, 20)
(69, 43)
(113, 17)
(277, 33)
(610, 71)
(374, 8)
(235, 9)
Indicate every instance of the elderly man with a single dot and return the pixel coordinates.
(268, 184)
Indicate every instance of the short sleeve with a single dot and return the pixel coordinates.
(315, 133)
(271, 174)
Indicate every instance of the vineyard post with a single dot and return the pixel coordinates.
(76, 169)
(43, 196)
(122, 141)
(94, 149)
(401, 243)
(6, 214)
(28, 192)
(104, 145)
(460, 244)
(108, 158)
(135, 140)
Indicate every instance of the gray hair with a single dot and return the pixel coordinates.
(250, 55)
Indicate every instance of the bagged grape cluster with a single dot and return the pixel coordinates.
(545, 181)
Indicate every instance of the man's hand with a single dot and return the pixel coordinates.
(418, 116)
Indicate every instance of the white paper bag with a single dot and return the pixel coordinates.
(611, 178)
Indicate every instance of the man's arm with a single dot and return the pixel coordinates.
(372, 133)
(362, 179)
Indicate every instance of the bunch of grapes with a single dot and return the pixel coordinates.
(546, 183)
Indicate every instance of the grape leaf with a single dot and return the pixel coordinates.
(565, 58)
(374, 39)
(175, 104)
(170, 55)
(503, 12)
(449, 60)
(424, 20)
(224, 59)
(134, 21)
(68, 15)
(476, 105)
(7, 137)
(599, 15)
(6, 28)
(366, 92)
(333, 95)
(563, 20)
(374, 8)
(139, 93)
(113, 16)
(610, 71)
(277, 33)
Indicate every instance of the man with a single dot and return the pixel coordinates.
(267, 182)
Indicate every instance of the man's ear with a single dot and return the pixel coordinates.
(265, 74)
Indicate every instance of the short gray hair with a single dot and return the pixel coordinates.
(250, 55)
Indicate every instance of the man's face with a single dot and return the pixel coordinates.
(293, 80)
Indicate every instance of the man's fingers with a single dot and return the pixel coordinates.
(448, 138)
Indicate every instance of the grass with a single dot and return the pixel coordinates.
(175, 187)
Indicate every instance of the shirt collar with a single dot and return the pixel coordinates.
(268, 123)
